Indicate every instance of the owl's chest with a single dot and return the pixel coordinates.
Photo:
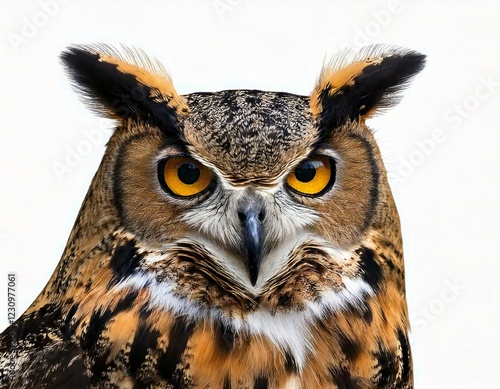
(143, 334)
(268, 352)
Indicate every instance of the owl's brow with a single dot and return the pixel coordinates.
(324, 149)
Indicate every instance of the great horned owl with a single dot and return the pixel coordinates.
(235, 239)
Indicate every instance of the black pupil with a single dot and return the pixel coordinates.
(306, 171)
(188, 173)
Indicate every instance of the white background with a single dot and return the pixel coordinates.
(441, 144)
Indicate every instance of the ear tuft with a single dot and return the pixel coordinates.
(356, 85)
(124, 84)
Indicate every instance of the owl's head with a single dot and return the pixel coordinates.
(241, 199)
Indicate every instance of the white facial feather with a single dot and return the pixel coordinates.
(218, 218)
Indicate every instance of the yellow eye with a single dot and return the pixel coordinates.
(184, 176)
(312, 176)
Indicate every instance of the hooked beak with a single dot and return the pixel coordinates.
(251, 222)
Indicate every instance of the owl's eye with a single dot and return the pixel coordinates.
(184, 176)
(312, 176)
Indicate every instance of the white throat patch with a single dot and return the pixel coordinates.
(289, 331)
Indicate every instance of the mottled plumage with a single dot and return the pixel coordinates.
(236, 239)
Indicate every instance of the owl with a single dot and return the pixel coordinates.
(239, 239)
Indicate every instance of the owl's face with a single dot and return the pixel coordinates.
(242, 200)
(250, 179)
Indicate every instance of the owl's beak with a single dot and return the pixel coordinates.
(251, 221)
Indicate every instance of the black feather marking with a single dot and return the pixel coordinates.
(387, 368)
(349, 347)
(377, 86)
(124, 261)
(290, 363)
(145, 338)
(261, 382)
(59, 365)
(97, 323)
(68, 328)
(71, 372)
(99, 364)
(30, 327)
(227, 383)
(179, 335)
(224, 336)
(101, 317)
(375, 174)
(406, 356)
(126, 302)
(342, 378)
(372, 273)
(367, 314)
(120, 93)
